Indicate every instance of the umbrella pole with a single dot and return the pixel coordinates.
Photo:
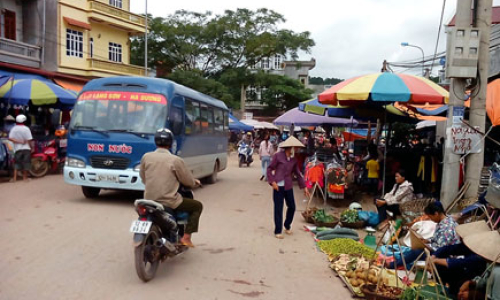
(385, 155)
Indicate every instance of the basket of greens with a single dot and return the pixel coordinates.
(322, 219)
(349, 218)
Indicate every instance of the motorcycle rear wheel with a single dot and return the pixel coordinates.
(39, 168)
(147, 256)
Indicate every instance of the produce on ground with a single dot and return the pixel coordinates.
(339, 246)
(385, 290)
(321, 216)
(349, 216)
(337, 233)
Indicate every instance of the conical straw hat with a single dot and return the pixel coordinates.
(473, 228)
(485, 244)
(291, 142)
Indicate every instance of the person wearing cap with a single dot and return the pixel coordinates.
(485, 243)
(21, 136)
(8, 123)
(280, 176)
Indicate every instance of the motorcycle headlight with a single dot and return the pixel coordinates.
(73, 162)
(137, 168)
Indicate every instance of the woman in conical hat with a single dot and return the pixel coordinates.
(279, 175)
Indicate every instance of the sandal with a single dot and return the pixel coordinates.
(279, 236)
(289, 231)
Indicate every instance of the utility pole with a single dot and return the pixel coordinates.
(243, 100)
(477, 113)
(146, 42)
(451, 161)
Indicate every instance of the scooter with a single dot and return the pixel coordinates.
(51, 156)
(156, 234)
(245, 153)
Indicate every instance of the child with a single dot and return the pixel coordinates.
(372, 166)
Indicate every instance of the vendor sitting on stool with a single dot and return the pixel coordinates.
(401, 192)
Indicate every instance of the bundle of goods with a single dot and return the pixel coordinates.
(338, 246)
(308, 214)
(337, 233)
(321, 218)
(350, 218)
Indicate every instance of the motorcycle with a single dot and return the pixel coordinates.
(156, 234)
(6, 156)
(245, 153)
(51, 155)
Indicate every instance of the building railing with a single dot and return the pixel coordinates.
(116, 67)
(31, 52)
(116, 12)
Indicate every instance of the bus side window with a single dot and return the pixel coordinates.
(204, 119)
(226, 121)
(219, 121)
(210, 120)
(193, 125)
(176, 122)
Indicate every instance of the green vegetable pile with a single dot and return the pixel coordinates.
(322, 216)
(409, 294)
(349, 216)
(346, 246)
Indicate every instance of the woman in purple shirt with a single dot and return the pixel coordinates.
(279, 176)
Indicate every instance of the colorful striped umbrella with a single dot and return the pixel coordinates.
(22, 91)
(313, 106)
(385, 87)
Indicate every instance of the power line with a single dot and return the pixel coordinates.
(439, 31)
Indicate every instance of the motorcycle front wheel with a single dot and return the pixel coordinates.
(39, 168)
(147, 256)
(240, 162)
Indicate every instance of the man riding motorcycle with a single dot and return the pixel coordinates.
(247, 139)
(162, 173)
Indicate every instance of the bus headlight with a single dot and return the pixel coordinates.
(137, 168)
(73, 162)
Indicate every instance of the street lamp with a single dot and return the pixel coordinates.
(405, 44)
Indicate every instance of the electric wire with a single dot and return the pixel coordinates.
(439, 32)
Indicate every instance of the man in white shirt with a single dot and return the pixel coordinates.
(21, 136)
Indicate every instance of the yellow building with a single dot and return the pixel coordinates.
(94, 38)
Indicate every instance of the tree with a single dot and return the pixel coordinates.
(236, 39)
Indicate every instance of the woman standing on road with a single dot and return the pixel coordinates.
(265, 156)
(279, 176)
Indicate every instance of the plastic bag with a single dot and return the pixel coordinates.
(370, 217)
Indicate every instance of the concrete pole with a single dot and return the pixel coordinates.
(146, 42)
(477, 113)
(451, 161)
(243, 100)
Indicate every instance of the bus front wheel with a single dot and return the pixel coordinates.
(90, 192)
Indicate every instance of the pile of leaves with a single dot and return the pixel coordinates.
(339, 246)
(321, 216)
(349, 216)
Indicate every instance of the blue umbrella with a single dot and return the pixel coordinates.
(236, 125)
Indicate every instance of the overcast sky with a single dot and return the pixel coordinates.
(353, 37)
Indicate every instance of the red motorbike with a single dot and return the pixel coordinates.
(50, 156)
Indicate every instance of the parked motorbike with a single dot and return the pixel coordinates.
(6, 156)
(245, 153)
(156, 234)
(50, 155)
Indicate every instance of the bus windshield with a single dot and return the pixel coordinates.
(113, 115)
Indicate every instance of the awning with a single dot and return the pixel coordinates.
(71, 85)
(17, 75)
(77, 23)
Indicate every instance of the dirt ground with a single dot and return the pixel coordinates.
(56, 244)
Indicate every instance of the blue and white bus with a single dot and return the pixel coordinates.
(113, 125)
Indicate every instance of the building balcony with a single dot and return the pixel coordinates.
(103, 13)
(114, 68)
(20, 53)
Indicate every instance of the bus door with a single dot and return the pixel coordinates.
(176, 121)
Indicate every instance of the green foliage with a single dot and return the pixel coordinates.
(321, 216)
(195, 80)
(326, 81)
(349, 216)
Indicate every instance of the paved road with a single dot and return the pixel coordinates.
(55, 244)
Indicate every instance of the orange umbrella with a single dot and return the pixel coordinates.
(493, 102)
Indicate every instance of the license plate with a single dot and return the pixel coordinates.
(105, 177)
(140, 226)
(63, 143)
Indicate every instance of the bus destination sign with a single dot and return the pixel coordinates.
(123, 96)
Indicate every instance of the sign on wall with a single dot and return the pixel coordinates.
(463, 139)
